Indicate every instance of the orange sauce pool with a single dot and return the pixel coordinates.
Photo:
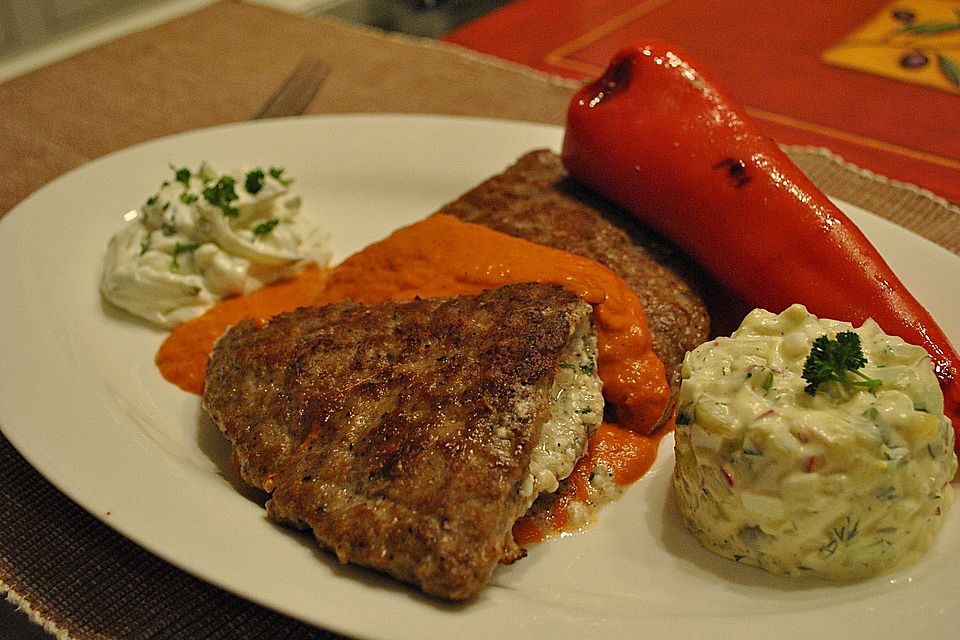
(182, 358)
(442, 256)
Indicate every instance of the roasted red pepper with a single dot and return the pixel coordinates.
(661, 138)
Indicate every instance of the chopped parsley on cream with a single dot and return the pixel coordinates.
(205, 236)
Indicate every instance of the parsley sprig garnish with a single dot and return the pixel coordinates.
(837, 360)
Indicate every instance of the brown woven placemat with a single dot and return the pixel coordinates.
(915, 209)
(80, 579)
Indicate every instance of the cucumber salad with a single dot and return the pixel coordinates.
(809, 447)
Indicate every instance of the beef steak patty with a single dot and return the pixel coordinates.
(402, 434)
(535, 199)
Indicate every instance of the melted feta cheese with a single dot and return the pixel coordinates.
(842, 484)
(576, 409)
(206, 236)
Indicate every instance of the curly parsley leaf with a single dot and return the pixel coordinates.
(837, 360)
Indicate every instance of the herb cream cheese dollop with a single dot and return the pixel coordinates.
(206, 236)
(842, 484)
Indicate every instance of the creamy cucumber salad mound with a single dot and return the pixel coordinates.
(205, 236)
(842, 474)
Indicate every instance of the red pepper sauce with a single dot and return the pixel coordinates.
(182, 358)
(625, 453)
(441, 256)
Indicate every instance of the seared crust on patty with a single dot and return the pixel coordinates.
(536, 200)
(402, 433)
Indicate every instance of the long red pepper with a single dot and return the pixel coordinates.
(658, 136)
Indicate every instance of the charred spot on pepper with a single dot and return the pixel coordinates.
(614, 80)
(736, 171)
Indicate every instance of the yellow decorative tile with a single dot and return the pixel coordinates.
(914, 40)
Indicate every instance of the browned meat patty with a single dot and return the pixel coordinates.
(536, 200)
(401, 434)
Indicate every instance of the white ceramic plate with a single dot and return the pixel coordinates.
(81, 399)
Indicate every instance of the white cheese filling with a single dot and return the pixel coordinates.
(843, 484)
(576, 409)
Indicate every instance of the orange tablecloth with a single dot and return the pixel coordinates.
(770, 54)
